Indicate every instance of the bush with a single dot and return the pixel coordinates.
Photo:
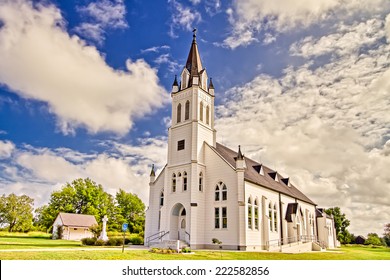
(186, 250)
(137, 240)
(88, 241)
(100, 242)
(114, 241)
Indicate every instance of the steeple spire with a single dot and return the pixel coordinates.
(194, 64)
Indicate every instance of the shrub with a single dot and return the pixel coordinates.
(137, 240)
(100, 242)
(186, 250)
(114, 241)
(88, 241)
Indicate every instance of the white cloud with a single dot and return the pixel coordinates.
(325, 124)
(38, 171)
(6, 149)
(40, 61)
(156, 49)
(103, 14)
(183, 17)
(387, 27)
(249, 17)
(166, 59)
(348, 39)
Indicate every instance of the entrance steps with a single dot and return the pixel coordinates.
(297, 247)
(170, 244)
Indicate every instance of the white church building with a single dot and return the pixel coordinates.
(208, 191)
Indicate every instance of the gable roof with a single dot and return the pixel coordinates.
(77, 220)
(252, 175)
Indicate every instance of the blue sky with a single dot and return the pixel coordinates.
(303, 86)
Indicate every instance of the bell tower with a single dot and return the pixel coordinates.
(192, 112)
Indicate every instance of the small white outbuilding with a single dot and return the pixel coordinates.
(73, 226)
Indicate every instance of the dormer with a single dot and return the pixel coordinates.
(274, 175)
(259, 169)
(286, 181)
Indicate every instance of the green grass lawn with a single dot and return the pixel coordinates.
(73, 250)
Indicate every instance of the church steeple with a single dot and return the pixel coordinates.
(193, 72)
(194, 64)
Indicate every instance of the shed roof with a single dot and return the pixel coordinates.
(77, 220)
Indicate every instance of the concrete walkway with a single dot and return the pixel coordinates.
(132, 247)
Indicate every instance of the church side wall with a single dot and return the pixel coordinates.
(255, 238)
(152, 214)
(218, 170)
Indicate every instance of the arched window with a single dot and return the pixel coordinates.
(224, 192)
(207, 115)
(174, 182)
(217, 193)
(187, 111)
(270, 216)
(275, 218)
(256, 214)
(178, 113)
(162, 198)
(185, 181)
(200, 181)
(201, 111)
(249, 213)
(220, 191)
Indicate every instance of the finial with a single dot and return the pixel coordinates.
(240, 156)
(194, 31)
(152, 173)
(175, 81)
(211, 83)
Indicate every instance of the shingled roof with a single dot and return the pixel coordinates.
(252, 174)
(77, 220)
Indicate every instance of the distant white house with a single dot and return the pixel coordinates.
(74, 226)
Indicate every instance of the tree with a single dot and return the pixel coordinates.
(386, 234)
(373, 239)
(130, 209)
(341, 224)
(82, 196)
(16, 212)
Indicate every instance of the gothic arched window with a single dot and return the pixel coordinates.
(201, 111)
(249, 213)
(162, 198)
(275, 218)
(224, 192)
(256, 214)
(174, 182)
(270, 215)
(207, 115)
(217, 193)
(200, 181)
(178, 113)
(185, 181)
(187, 111)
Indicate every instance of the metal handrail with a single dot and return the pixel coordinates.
(189, 236)
(158, 235)
(293, 239)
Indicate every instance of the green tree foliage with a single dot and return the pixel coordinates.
(131, 210)
(341, 224)
(16, 212)
(386, 234)
(82, 196)
(373, 239)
